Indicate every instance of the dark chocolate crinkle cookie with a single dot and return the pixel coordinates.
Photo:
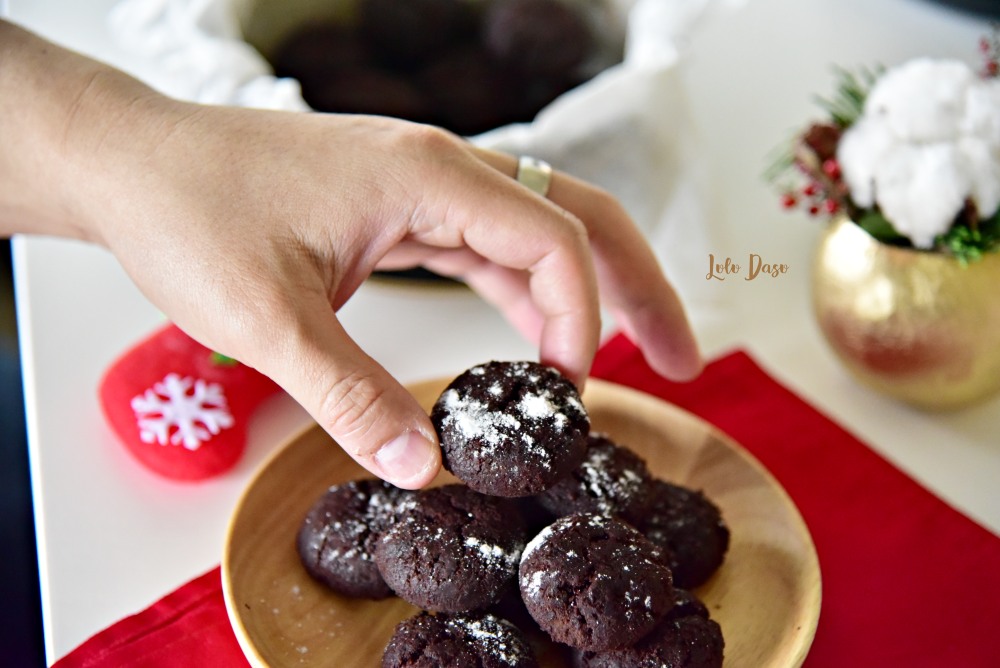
(407, 33)
(594, 582)
(686, 604)
(685, 638)
(336, 538)
(369, 90)
(463, 640)
(452, 549)
(611, 480)
(511, 428)
(536, 517)
(314, 50)
(689, 527)
(469, 93)
(544, 37)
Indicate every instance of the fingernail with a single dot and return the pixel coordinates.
(407, 459)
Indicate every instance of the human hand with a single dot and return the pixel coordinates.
(249, 229)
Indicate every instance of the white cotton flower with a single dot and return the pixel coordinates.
(981, 157)
(982, 119)
(906, 173)
(929, 139)
(922, 100)
(859, 153)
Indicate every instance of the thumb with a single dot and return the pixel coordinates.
(370, 415)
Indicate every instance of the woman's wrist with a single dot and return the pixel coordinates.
(66, 124)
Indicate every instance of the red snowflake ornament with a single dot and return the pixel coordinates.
(179, 408)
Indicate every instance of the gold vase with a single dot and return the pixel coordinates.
(914, 325)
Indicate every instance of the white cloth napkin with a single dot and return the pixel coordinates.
(199, 53)
(628, 129)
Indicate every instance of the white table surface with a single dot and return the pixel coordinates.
(113, 537)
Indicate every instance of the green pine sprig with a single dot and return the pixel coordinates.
(845, 106)
(780, 160)
(874, 223)
(847, 103)
(969, 243)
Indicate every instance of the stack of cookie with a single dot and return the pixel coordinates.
(466, 65)
(558, 529)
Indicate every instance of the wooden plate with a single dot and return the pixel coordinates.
(766, 596)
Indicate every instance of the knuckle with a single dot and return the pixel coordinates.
(350, 409)
(429, 140)
(604, 205)
(575, 230)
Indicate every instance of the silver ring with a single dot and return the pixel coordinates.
(534, 174)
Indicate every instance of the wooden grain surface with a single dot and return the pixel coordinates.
(766, 596)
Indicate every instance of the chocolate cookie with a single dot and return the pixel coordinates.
(536, 517)
(406, 34)
(687, 603)
(511, 428)
(458, 641)
(369, 90)
(685, 638)
(542, 37)
(452, 549)
(594, 582)
(336, 538)
(690, 528)
(313, 51)
(469, 93)
(611, 480)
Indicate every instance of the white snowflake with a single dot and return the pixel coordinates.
(181, 411)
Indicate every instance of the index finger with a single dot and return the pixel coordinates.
(513, 227)
(632, 284)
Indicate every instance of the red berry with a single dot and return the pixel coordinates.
(810, 189)
(813, 210)
(992, 68)
(831, 168)
(788, 200)
(831, 206)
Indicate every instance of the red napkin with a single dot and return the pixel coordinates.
(907, 580)
(187, 627)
